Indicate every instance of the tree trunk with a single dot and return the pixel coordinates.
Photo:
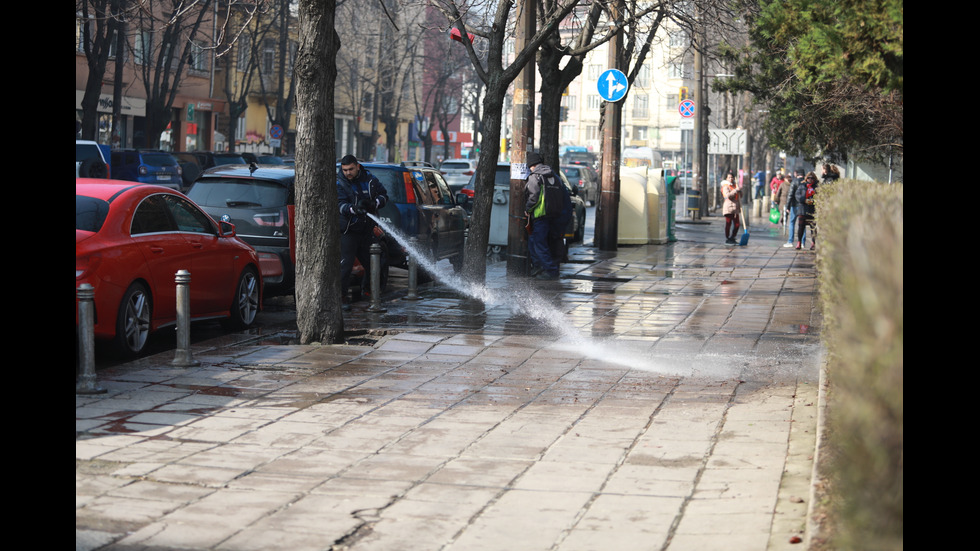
(475, 261)
(318, 300)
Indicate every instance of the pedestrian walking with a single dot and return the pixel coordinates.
(830, 173)
(776, 179)
(358, 194)
(780, 198)
(805, 193)
(792, 209)
(543, 205)
(760, 184)
(732, 207)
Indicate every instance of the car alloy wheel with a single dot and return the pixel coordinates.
(246, 305)
(133, 322)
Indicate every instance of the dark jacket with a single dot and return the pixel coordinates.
(364, 192)
(535, 183)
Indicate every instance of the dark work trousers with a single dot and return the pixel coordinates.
(354, 245)
(539, 246)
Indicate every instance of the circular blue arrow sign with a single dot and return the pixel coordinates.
(612, 85)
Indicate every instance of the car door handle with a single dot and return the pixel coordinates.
(157, 250)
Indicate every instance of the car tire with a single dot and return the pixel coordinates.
(245, 304)
(133, 320)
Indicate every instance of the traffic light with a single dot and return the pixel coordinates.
(683, 93)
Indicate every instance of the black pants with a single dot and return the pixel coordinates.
(354, 245)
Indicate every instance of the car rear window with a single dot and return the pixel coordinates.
(572, 172)
(84, 152)
(158, 159)
(454, 166)
(90, 213)
(231, 192)
(228, 160)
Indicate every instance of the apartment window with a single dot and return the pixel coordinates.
(244, 51)
(268, 56)
(571, 102)
(595, 102)
(643, 77)
(592, 132)
(641, 132)
(142, 48)
(641, 106)
(594, 71)
(678, 39)
(198, 57)
(672, 101)
(240, 130)
(568, 133)
(676, 70)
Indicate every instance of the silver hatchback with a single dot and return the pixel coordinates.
(457, 172)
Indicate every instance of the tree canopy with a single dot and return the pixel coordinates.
(830, 73)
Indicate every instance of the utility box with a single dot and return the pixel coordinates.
(499, 216)
(642, 206)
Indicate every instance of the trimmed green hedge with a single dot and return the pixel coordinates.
(860, 260)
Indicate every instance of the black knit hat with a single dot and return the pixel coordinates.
(534, 159)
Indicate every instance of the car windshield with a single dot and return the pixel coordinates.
(90, 213)
(158, 159)
(231, 192)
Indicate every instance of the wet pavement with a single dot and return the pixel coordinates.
(657, 397)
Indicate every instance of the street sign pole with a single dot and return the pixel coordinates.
(613, 87)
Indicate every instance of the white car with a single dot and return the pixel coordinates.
(90, 162)
(457, 172)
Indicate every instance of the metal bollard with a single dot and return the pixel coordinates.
(182, 356)
(376, 279)
(86, 340)
(413, 275)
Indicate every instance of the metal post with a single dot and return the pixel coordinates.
(86, 341)
(182, 356)
(413, 274)
(376, 279)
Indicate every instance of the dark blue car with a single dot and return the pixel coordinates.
(147, 166)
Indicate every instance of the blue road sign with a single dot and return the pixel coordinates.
(612, 85)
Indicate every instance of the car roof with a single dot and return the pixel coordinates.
(107, 189)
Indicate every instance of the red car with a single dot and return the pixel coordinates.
(130, 242)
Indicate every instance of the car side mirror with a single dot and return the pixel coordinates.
(462, 199)
(226, 229)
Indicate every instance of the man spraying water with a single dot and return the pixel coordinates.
(359, 194)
